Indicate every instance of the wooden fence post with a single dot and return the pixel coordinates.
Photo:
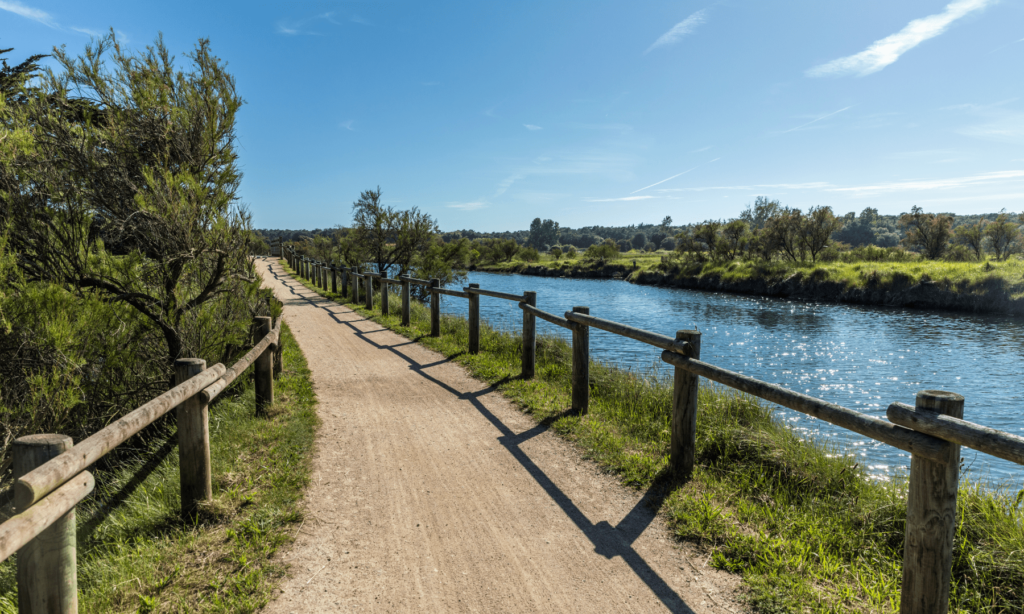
(194, 474)
(435, 308)
(264, 369)
(369, 293)
(474, 321)
(684, 411)
(344, 282)
(47, 573)
(529, 336)
(334, 279)
(405, 301)
(355, 285)
(931, 518)
(580, 364)
(279, 353)
(385, 307)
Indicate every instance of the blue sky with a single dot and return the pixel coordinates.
(489, 114)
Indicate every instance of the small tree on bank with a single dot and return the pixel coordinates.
(927, 232)
(387, 236)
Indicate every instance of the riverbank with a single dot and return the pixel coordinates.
(801, 522)
(985, 287)
(136, 553)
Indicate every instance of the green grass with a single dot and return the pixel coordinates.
(136, 554)
(801, 522)
(645, 261)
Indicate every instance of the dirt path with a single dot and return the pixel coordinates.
(432, 493)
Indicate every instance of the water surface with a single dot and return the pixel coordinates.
(861, 357)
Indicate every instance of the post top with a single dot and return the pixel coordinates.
(683, 334)
(940, 401)
(191, 361)
(583, 310)
(530, 292)
(474, 285)
(44, 440)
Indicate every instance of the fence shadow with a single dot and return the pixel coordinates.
(608, 541)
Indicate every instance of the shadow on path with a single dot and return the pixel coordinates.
(609, 541)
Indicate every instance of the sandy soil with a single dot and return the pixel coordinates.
(433, 493)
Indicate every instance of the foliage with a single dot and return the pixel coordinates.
(556, 253)
(528, 254)
(816, 231)
(601, 252)
(127, 190)
(389, 237)
(971, 237)
(927, 232)
(1002, 236)
(542, 233)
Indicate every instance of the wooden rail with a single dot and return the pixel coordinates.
(932, 431)
(51, 473)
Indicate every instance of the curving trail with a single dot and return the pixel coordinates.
(432, 493)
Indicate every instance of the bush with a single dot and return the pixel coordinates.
(602, 251)
(651, 247)
(556, 253)
(570, 252)
(528, 254)
(668, 243)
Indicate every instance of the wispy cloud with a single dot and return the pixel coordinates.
(93, 33)
(359, 20)
(348, 124)
(814, 185)
(12, 6)
(531, 127)
(679, 30)
(813, 121)
(295, 28)
(467, 206)
(701, 149)
(883, 52)
(613, 200)
(674, 176)
(933, 184)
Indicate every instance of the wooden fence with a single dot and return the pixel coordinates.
(932, 430)
(51, 473)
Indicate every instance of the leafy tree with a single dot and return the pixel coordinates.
(507, 249)
(638, 241)
(759, 214)
(668, 243)
(388, 236)
(818, 226)
(785, 230)
(528, 254)
(666, 222)
(706, 236)
(542, 233)
(445, 261)
(570, 252)
(621, 245)
(972, 237)
(127, 188)
(556, 253)
(927, 232)
(658, 237)
(734, 235)
(602, 252)
(14, 78)
(1002, 235)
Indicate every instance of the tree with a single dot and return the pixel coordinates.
(542, 233)
(784, 230)
(927, 232)
(972, 236)
(507, 249)
(1002, 235)
(666, 222)
(734, 235)
(638, 241)
(127, 187)
(761, 213)
(388, 236)
(706, 236)
(556, 253)
(818, 226)
(13, 78)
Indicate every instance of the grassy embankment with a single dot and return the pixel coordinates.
(865, 281)
(136, 554)
(808, 531)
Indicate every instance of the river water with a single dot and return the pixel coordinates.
(863, 358)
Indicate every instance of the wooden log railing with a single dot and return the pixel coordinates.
(52, 477)
(932, 430)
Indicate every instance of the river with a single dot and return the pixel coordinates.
(861, 357)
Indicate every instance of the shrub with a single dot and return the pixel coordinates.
(556, 253)
(528, 254)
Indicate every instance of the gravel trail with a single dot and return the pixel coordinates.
(432, 493)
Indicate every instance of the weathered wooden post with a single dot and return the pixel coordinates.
(344, 282)
(264, 369)
(474, 321)
(355, 285)
(435, 308)
(529, 336)
(334, 279)
(580, 364)
(279, 353)
(931, 517)
(405, 301)
(684, 411)
(369, 292)
(194, 473)
(47, 573)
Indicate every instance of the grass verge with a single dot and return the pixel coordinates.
(136, 554)
(801, 522)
